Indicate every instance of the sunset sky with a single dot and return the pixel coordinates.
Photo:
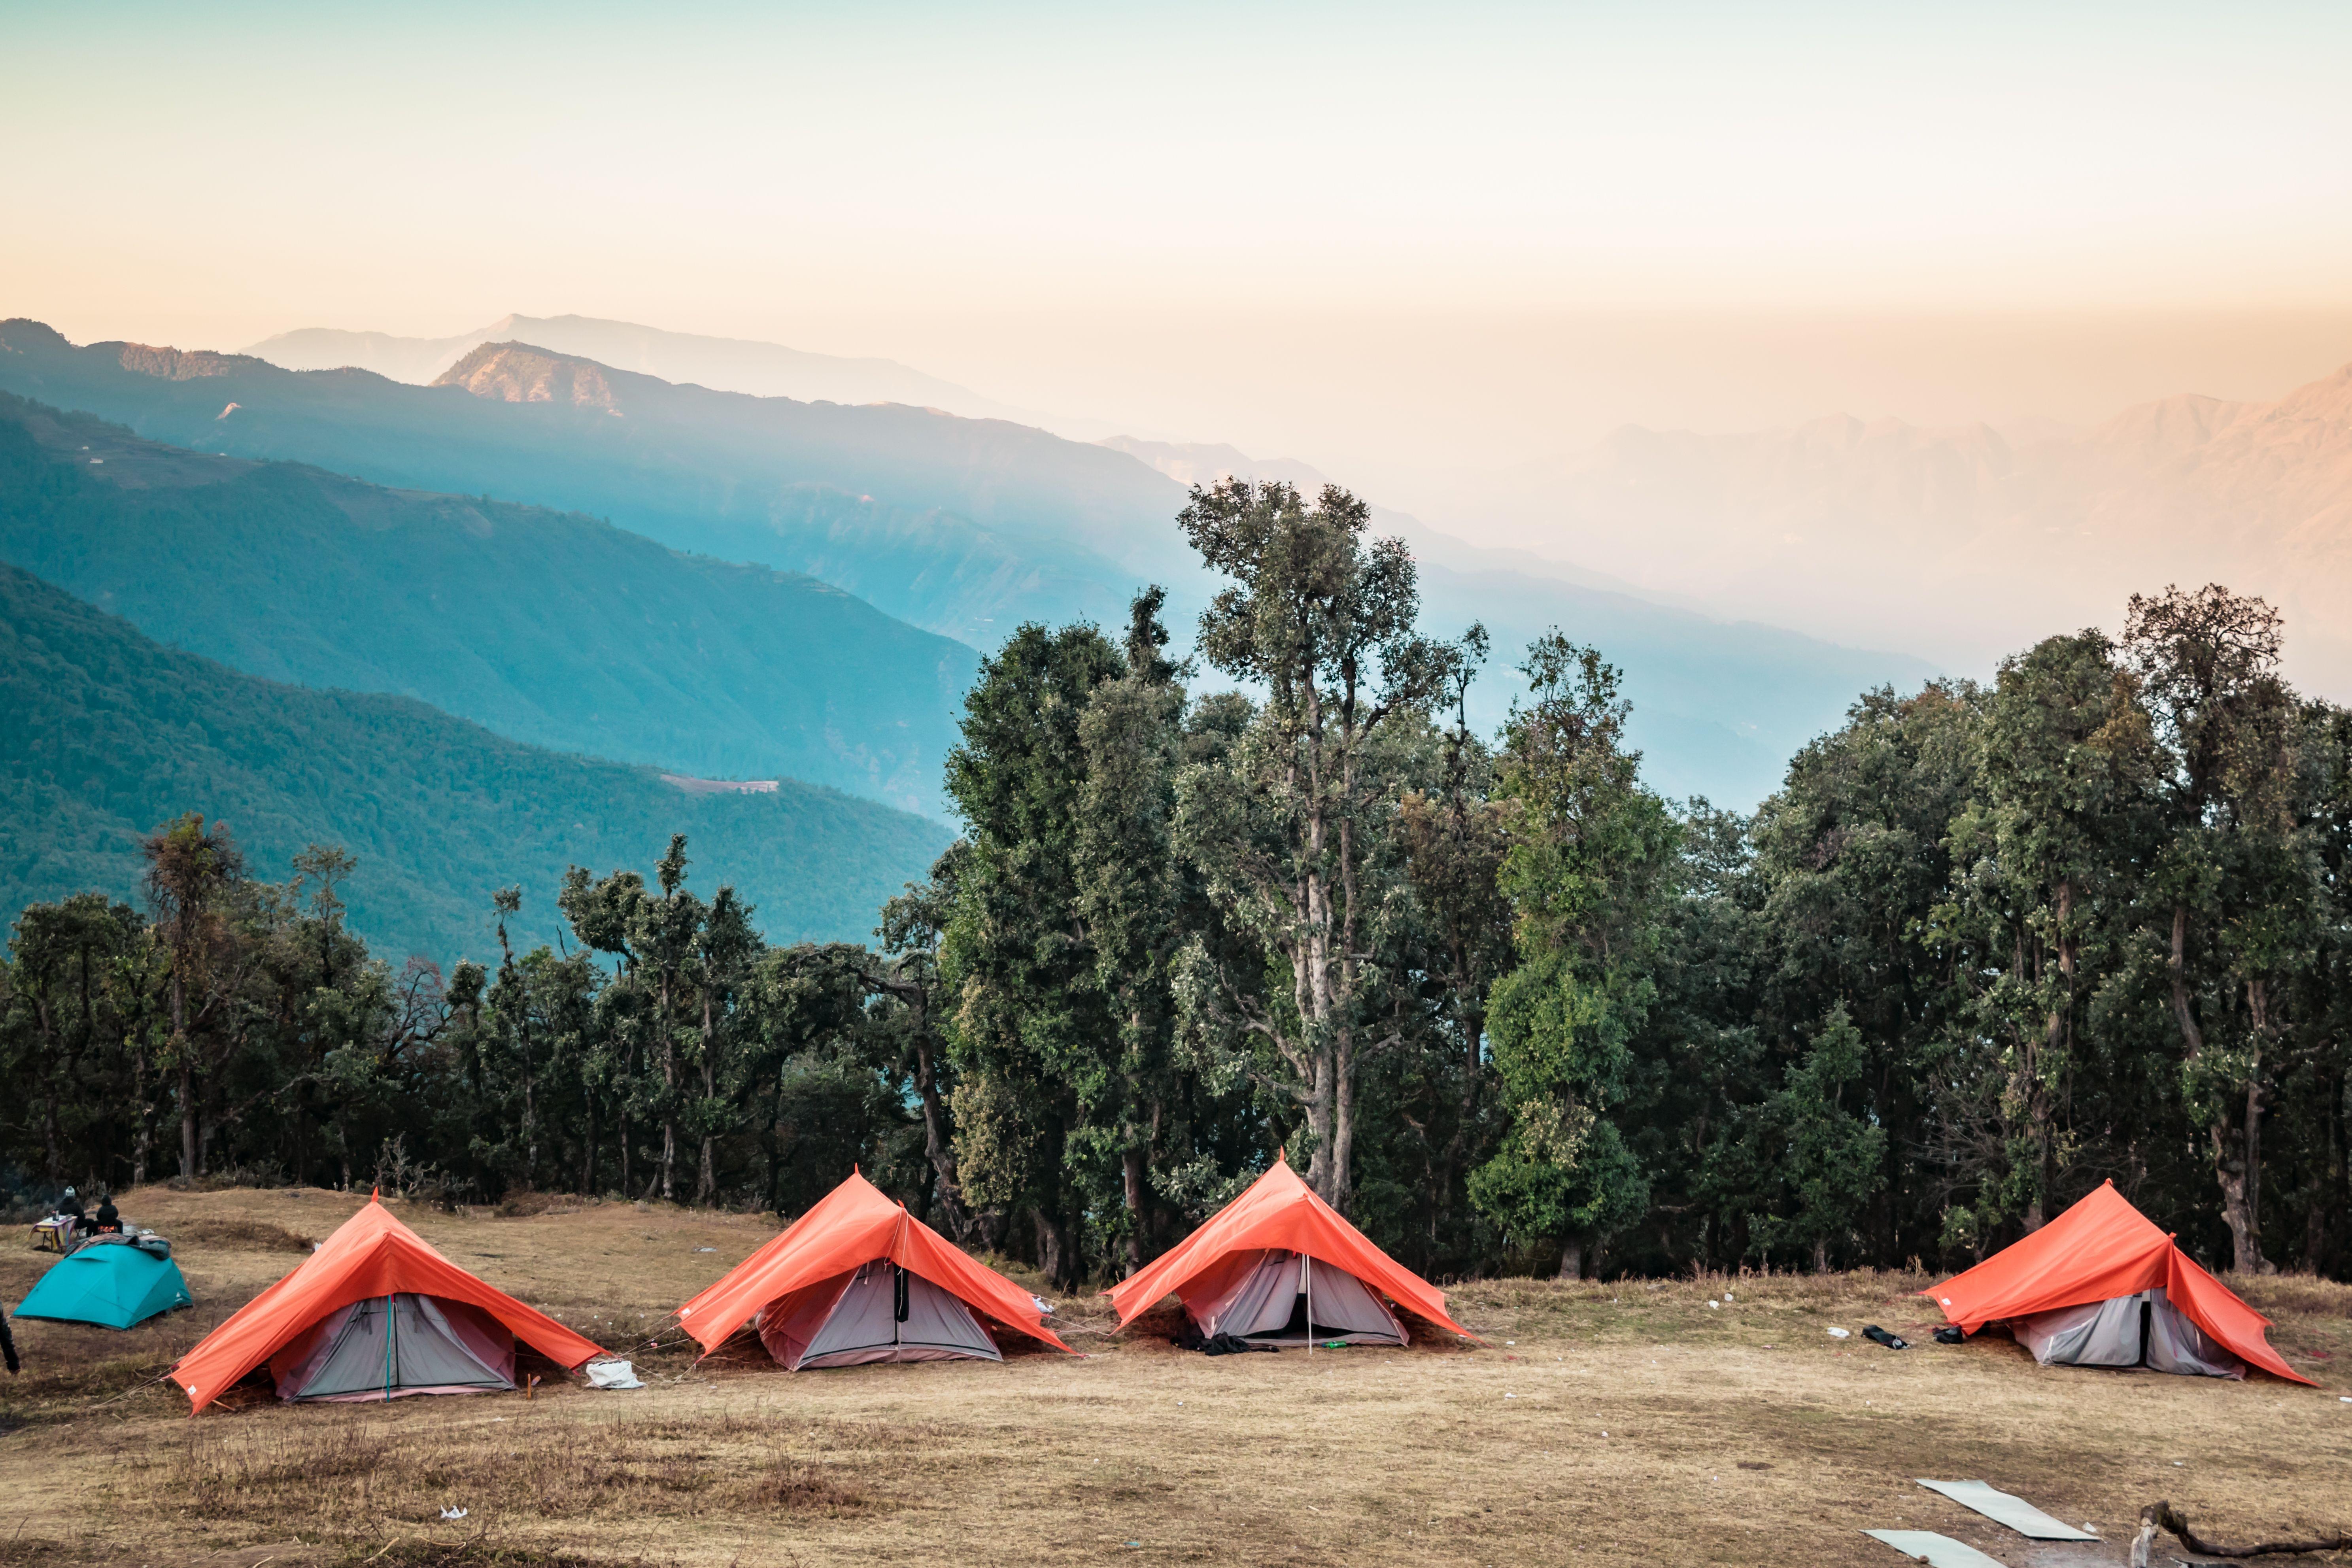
(1404, 245)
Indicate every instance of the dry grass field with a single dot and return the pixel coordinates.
(1599, 1424)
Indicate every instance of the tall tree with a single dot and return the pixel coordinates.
(1288, 827)
(192, 875)
(2045, 852)
(1131, 897)
(1030, 1020)
(2227, 875)
(1589, 866)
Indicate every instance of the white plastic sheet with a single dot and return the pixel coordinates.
(1936, 1551)
(2002, 1508)
(613, 1375)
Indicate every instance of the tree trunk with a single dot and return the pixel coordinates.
(1133, 1193)
(669, 1095)
(189, 1152)
(1571, 1258)
(1053, 1261)
(1821, 1255)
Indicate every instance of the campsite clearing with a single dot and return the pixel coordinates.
(1738, 1433)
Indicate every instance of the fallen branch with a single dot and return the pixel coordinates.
(2162, 1516)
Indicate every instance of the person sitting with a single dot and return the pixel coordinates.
(108, 1220)
(70, 1211)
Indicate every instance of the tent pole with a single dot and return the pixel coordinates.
(1306, 1268)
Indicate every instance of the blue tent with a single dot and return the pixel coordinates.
(109, 1283)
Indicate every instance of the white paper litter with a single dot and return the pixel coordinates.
(1044, 1307)
(1936, 1551)
(1840, 1334)
(2002, 1508)
(613, 1375)
(453, 1513)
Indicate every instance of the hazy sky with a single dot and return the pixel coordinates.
(1403, 244)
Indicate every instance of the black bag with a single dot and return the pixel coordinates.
(1877, 1335)
(1950, 1334)
(1230, 1344)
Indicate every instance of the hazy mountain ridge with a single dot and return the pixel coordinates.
(725, 474)
(554, 629)
(736, 364)
(104, 733)
(1968, 542)
(966, 527)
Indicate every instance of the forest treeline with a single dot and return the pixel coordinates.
(1501, 1002)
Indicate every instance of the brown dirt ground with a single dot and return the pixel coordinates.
(1599, 1424)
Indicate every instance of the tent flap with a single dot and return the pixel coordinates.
(2100, 1252)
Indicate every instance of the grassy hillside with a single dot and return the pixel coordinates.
(104, 733)
(549, 627)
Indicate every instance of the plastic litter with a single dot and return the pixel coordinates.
(613, 1375)
(1840, 1334)
(2002, 1508)
(454, 1513)
(1936, 1551)
(705, 1250)
(1715, 1305)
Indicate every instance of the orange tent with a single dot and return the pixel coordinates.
(372, 1256)
(858, 1279)
(1279, 1218)
(2105, 1251)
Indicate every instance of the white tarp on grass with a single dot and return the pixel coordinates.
(1936, 1551)
(2004, 1508)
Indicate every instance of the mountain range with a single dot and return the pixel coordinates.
(549, 627)
(962, 526)
(731, 364)
(104, 733)
(1965, 544)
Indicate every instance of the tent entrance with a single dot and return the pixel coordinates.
(2142, 1329)
(386, 1347)
(1266, 1302)
(877, 1312)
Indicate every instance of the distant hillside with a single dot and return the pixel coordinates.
(725, 365)
(104, 733)
(1968, 542)
(966, 527)
(549, 627)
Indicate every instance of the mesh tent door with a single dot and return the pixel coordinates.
(2140, 1330)
(2175, 1344)
(867, 1325)
(2097, 1333)
(390, 1346)
(1266, 1302)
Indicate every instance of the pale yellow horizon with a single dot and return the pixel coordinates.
(1409, 246)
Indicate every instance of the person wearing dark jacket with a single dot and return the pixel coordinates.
(109, 1219)
(8, 1344)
